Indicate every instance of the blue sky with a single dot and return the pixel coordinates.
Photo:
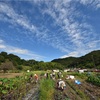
(48, 29)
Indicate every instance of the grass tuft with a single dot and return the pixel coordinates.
(46, 89)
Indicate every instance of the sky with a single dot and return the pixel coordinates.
(44, 30)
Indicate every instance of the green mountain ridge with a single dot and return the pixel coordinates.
(90, 60)
(13, 62)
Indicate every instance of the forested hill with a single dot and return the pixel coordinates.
(13, 62)
(90, 60)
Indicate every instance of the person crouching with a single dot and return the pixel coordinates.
(61, 84)
(36, 78)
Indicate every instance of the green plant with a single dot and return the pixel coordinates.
(46, 89)
(94, 80)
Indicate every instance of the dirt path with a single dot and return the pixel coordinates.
(84, 91)
(87, 90)
(92, 91)
(33, 94)
(10, 75)
(68, 94)
(71, 93)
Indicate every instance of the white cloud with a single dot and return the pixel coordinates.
(78, 33)
(93, 3)
(98, 5)
(71, 54)
(2, 46)
(94, 44)
(85, 2)
(78, 53)
(65, 18)
(24, 52)
(1, 41)
(15, 18)
(72, 35)
(19, 51)
(62, 19)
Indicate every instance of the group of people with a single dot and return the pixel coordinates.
(60, 83)
(35, 78)
(53, 75)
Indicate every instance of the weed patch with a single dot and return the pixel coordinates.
(46, 89)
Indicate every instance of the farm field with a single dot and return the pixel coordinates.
(83, 91)
(46, 88)
(10, 75)
(49, 49)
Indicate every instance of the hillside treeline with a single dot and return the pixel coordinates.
(13, 62)
(90, 60)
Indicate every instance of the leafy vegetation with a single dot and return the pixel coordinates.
(46, 89)
(15, 86)
(94, 80)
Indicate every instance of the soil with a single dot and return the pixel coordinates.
(10, 75)
(90, 91)
(67, 94)
(33, 94)
(71, 91)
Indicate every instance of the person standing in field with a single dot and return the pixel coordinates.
(53, 75)
(36, 78)
(31, 78)
(47, 75)
(59, 75)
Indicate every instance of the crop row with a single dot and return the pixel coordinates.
(10, 85)
(94, 80)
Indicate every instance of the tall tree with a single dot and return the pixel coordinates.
(8, 65)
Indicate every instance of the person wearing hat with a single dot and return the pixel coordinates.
(36, 77)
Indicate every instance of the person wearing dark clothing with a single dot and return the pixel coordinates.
(59, 75)
(47, 75)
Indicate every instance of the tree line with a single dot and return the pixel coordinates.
(13, 62)
(90, 60)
